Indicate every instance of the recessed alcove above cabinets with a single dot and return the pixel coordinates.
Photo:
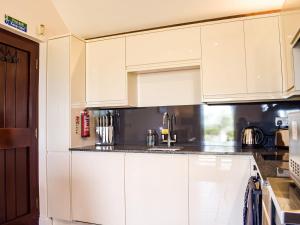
(168, 87)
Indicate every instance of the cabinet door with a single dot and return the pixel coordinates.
(163, 46)
(58, 97)
(98, 188)
(216, 189)
(290, 17)
(156, 189)
(58, 185)
(223, 59)
(105, 72)
(263, 57)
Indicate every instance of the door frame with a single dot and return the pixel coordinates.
(32, 47)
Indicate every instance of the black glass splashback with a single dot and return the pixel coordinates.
(202, 124)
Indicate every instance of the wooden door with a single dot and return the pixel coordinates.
(18, 129)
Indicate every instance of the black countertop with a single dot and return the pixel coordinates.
(267, 168)
(220, 150)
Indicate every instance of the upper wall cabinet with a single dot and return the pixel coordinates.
(290, 25)
(223, 59)
(241, 60)
(106, 78)
(263, 58)
(170, 46)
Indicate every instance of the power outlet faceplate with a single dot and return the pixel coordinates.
(281, 122)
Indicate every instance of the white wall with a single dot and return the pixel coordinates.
(33, 13)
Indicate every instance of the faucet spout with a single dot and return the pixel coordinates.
(167, 120)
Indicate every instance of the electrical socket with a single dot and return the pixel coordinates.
(281, 122)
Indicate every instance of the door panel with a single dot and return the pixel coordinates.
(18, 121)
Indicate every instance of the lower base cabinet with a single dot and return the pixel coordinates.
(156, 187)
(58, 185)
(216, 189)
(98, 188)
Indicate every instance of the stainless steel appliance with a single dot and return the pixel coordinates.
(294, 146)
(252, 137)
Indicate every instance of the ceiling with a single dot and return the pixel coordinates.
(94, 18)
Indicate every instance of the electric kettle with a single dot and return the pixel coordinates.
(252, 137)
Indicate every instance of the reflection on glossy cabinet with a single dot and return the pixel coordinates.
(163, 46)
(263, 56)
(223, 59)
(156, 189)
(98, 188)
(216, 189)
(58, 185)
(106, 81)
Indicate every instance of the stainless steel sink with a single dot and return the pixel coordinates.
(163, 148)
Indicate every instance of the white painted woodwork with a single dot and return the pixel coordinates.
(58, 185)
(156, 187)
(106, 81)
(223, 59)
(98, 188)
(163, 46)
(263, 56)
(58, 97)
(179, 87)
(216, 189)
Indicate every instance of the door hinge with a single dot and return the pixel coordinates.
(36, 64)
(37, 203)
(36, 133)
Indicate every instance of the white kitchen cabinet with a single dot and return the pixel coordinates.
(65, 92)
(98, 188)
(169, 46)
(58, 185)
(263, 56)
(156, 187)
(290, 25)
(106, 78)
(216, 189)
(223, 59)
(65, 100)
(58, 99)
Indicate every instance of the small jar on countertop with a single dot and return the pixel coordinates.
(151, 138)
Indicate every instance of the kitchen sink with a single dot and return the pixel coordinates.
(276, 156)
(163, 148)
